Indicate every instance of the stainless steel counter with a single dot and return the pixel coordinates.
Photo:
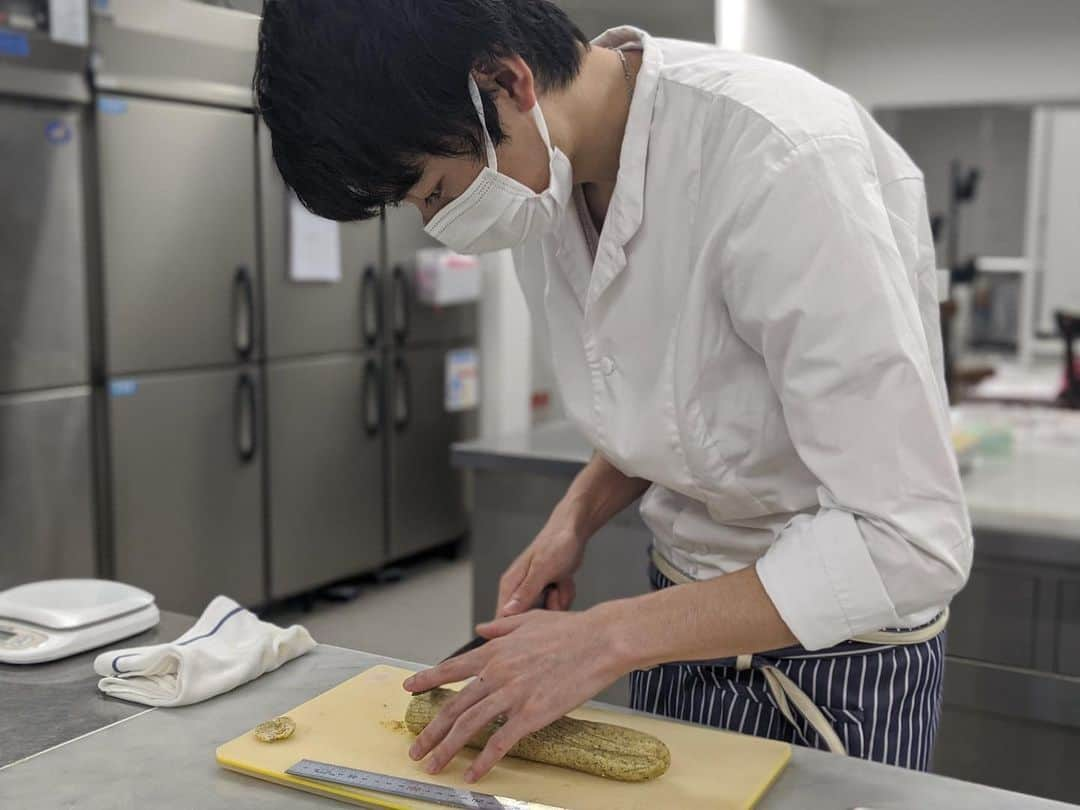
(164, 758)
(43, 705)
(1036, 492)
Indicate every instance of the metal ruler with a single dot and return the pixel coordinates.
(408, 788)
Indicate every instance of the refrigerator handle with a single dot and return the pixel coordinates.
(401, 304)
(243, 312)
(402, 395)
(246, 418)
(372, 399)
(370, 306)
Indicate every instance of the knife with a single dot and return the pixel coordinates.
(480, 641)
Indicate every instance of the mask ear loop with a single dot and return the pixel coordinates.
(474, 94)
(541, 125)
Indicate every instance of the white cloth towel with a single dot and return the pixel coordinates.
(227, 647)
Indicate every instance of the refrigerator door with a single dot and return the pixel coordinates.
(326, 471)
(305, 317)
(178, 215)
(427, 495)
(46, 487)
(408, 321)
(186, 461)
(43, 306)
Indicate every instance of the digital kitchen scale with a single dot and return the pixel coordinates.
(44, 621)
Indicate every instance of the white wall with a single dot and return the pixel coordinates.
(919, 52)
(789, 30)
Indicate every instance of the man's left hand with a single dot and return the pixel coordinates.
(536, 667)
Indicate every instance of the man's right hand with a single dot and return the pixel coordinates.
(552, 558)
(598, 493)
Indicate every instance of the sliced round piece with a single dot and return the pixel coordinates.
(280, 728)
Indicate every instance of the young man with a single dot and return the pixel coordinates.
(733, 267)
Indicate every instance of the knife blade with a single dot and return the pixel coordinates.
(480, 641)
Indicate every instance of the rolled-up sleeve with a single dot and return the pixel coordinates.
(814, 281)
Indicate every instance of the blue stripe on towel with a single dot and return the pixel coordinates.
(217, 627)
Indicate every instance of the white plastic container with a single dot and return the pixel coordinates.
(445, 278)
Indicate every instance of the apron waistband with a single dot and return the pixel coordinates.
(785, 692)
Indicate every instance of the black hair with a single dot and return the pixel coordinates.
(356, 93)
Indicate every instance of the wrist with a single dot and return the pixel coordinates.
(574, 518)
(615, 631)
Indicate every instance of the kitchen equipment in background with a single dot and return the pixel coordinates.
(326, 470)
(357, 375)
(325, 386)
(1069, 326)
(186, 451)
(426, 495)
(243, 414)
(185, 401)
(44, 329)
(178, 217)
(995, 311)
(42, 22)
(44, 621)
(46, 413)
(709, 768)
(46, 486)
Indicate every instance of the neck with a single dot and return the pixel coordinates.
(587, 119)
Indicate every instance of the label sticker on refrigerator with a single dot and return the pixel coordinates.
(123, 388)
(314, 245)
(69, 21)
(462, 380)
(13, 44)
(112, 106)
(57, 132)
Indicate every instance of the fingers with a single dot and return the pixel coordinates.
(569, 592)
(435, 731)
(510, 581)
(497, 747)
(561, 596)
(500, 627)
(468, 724)
(450, 671)
(525, 594)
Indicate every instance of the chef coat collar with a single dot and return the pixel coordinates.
(626, 209)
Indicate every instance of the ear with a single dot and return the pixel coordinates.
(511, 74)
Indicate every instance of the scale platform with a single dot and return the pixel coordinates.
(45, 621)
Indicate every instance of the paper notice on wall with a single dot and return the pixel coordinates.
(314, 245)
(462, 380)
(69, 21)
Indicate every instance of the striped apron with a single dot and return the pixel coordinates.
(877, 697)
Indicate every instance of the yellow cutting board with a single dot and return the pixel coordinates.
(358, 724)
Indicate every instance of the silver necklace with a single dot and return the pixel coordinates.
(626, 72)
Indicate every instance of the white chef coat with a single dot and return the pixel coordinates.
(756, 331)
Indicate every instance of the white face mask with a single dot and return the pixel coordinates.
(498, 212)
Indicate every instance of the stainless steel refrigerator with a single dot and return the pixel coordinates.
(185, 398)
(359, 438)
(47, 519)
(426, 504)
(324, 387)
